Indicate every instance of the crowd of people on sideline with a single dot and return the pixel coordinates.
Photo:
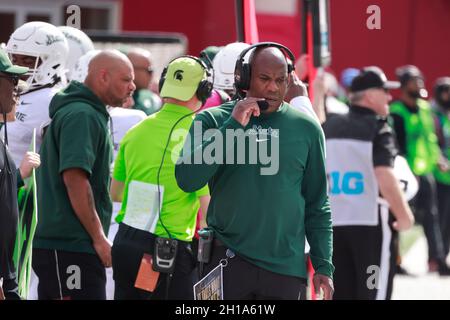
(129, 181)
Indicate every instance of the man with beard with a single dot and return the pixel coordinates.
(71, 247)
(413, 124)
(441, 108)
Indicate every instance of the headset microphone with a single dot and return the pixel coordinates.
(263, 105)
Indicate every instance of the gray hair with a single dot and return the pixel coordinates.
(355, 97)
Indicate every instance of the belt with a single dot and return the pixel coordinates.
(136, 235)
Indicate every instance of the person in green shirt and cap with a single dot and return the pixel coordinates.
(9, 212)
(144, 170)
(413, 124)
(441, 109)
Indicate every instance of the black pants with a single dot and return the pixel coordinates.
(67, 275)
(243, 280)
(365, 259)
(426, 212)
(129, 246)
(443, 191)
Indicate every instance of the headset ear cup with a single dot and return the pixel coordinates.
(200, 93)
(237, 75)
(290, 67)
(204, 90)
(245, 76)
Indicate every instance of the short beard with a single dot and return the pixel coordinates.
(414, 94)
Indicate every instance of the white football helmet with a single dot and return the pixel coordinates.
(81, 68)
(224, 63)
(48, 44)
(79, 44)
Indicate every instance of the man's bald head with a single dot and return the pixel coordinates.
(143, 68)
(138, 54)
(271, 55)
(109, 60)
(110, 77)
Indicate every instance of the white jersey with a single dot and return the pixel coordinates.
(122, 120)
(303, 104)
(32, 113)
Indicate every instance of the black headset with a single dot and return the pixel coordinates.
(205, 86)
(243, 72)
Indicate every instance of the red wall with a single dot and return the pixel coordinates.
(204, 22)
(412, 31)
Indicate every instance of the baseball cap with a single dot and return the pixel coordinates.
(372, 77)
(182, 79)
(7, 67)
(408, 72)
(441, 84)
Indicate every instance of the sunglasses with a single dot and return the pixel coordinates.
(14, 79)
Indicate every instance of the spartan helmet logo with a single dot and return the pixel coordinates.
(178, 75)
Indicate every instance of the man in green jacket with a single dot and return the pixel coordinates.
(262, 206)
(71, 247)
(9, 213)
(441, 109)
(417, 142)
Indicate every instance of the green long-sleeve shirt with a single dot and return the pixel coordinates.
(263, 208)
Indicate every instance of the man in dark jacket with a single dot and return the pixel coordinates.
(71, 244)
(9, 79)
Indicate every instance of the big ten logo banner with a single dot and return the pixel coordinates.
(349, 183)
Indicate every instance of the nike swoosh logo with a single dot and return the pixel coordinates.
(261, 140)
(25, 103)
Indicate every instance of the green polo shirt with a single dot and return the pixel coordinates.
(139, 158)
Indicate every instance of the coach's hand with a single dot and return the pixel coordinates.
(325, 283)
(103, 248)
(244, 109)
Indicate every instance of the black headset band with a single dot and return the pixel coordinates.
(282, 48)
